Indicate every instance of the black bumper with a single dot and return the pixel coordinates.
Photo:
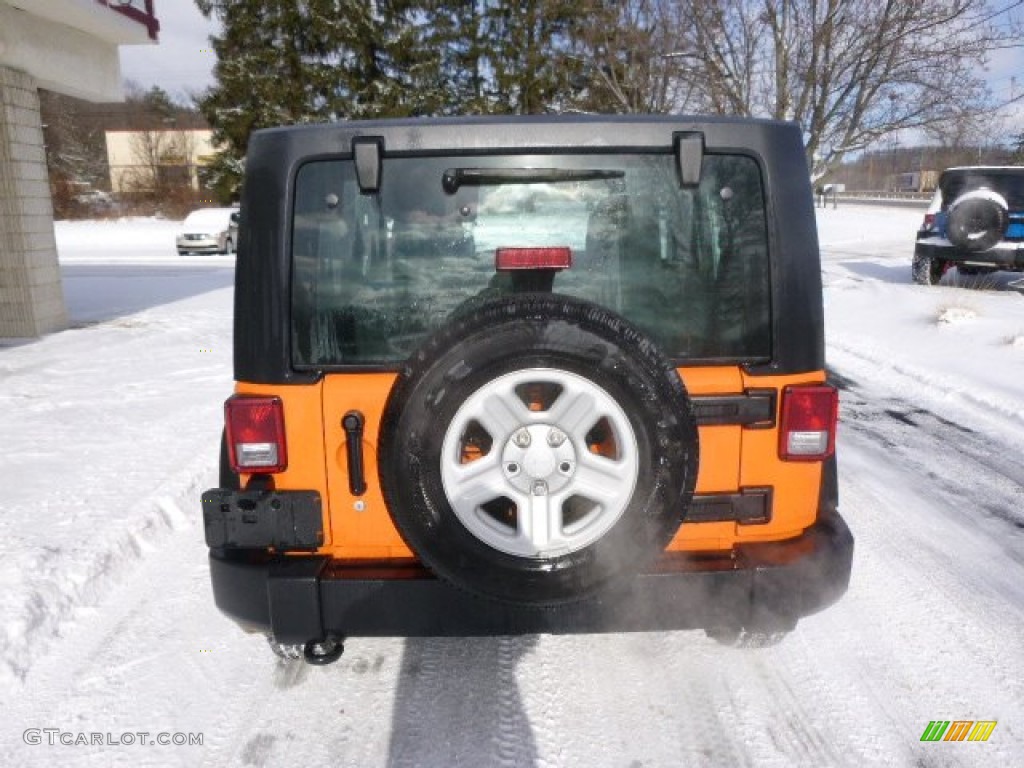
(765, 586)
(1002, 258)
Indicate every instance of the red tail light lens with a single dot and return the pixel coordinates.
(929, 220)
(506, 259)
(255, 428)
(808, 425)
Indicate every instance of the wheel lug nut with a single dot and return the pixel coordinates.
(540, 488)
(556, 437)
(521, 438)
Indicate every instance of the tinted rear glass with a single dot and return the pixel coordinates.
(1008, 183)
(373, 275)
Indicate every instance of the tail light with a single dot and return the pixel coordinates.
(255, 429)
(929, 221)
(808, 425)
(506, 259)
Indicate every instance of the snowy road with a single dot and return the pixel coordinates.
(109, 626)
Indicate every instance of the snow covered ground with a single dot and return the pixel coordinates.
(110, 433)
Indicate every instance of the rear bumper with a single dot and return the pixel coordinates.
(1008, 255)
(206, 245)
(767, 585)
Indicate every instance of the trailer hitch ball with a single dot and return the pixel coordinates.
(323, 652)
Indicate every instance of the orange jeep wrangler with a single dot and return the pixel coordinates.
(526, 375)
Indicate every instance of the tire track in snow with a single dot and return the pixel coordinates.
(934, 638)
(458, 704)
(693, 680)
(940, 391)
(794, 729)
(539, 685)
(941, 515)
(422, 671)
(508, 738)
(961, 469)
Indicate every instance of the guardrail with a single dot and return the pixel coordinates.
(894, 200)
(902, 199)
(881, 195)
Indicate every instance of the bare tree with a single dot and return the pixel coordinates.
(848, 71)
(627, 58)
(164, 160)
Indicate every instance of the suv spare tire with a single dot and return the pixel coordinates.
(536, 449)
(977, 221)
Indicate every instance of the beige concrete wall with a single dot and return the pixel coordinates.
(31, 298)
(126, 154)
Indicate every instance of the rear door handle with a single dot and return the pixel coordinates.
(352, 422)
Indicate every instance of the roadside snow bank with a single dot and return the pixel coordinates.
(109, 431)
(952, 343)
(137, 238)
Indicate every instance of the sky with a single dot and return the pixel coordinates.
(183, 61)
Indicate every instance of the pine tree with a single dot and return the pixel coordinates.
(529, 53)
(1017, 146)
(451, 71)
(282, 62)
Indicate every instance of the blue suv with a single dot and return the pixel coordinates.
(975, 222)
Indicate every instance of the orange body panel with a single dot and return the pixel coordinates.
(303, 435)
(360, 531)
(732, 458)
(795, 484)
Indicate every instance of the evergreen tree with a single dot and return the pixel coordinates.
(451, 73)
(1017, 146)
(282, 62)
(529, 54)
(158, 102)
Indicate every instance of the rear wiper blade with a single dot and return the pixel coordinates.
(458, 177)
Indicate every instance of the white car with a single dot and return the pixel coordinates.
(209, 230)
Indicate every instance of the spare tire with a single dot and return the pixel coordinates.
(976, 221)
(537, 449)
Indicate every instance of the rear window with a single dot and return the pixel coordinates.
(1007, 182)
(373, 275)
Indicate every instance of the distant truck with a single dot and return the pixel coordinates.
(915, 181)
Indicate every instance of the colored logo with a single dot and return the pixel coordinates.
(958, 730)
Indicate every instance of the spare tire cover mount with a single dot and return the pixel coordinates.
(537, 449)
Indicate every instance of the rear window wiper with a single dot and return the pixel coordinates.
(454, 178)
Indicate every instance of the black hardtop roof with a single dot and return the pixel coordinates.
(984, 169)
(427, 134)
(1007, 180)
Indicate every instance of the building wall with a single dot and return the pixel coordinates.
(127, 150)
(70, 47)
(31, 298)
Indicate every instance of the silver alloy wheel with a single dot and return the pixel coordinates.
(525, 475)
